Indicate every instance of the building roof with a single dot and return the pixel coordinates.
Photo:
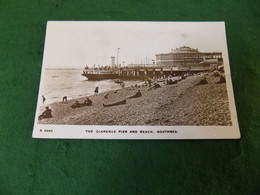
(185, 49)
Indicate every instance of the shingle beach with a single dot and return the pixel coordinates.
(184, 103)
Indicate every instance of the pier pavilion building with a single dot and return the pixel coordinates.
(186, 57)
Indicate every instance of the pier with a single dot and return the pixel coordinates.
(147, 71)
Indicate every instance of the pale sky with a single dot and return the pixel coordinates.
(76, 44)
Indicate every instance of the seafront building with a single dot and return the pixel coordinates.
(180, 61)
(189, 58)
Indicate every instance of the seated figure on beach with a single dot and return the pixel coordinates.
(156, 85)
(87, 102)
(115, 104)
(131, 87)
(203, 81)
(170, 82)
(222, 79)
(106, 96)
(46, 114)
(138, 94)
(174, 82)
(75, 105)
(183, 76)
(216, 73)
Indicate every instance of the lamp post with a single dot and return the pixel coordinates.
(118, 49)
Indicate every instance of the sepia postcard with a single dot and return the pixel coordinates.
(135, 80)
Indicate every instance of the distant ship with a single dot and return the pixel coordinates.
(97, 74)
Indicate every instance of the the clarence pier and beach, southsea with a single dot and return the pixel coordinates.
(196, 98)
(184, 103)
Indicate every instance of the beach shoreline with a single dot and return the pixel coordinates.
(184, 103)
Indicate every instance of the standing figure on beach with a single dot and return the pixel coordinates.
(46, 114)
(64, 99)
(43, 99)
(122, 84)
(96, 91)
(149, 82)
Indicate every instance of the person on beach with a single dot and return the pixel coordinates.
(138, 94)
(87, 102)
(64, 99)
(149, 83)
(216, 73)
(75, 105)
(170, 82)
(130, 88)
(122, 84)
(156, 85)
(43, 99)
(145, 83)
(203, 81)
(222, 79)
(96, 91)
(115, 104)
(183, 76)
(106, 96)
(46, 114)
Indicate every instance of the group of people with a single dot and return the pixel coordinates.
(47, 113)
(221, 76)
(86, 102)
(98, 67)
(151, 85)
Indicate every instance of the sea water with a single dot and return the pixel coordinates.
(69, 82)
